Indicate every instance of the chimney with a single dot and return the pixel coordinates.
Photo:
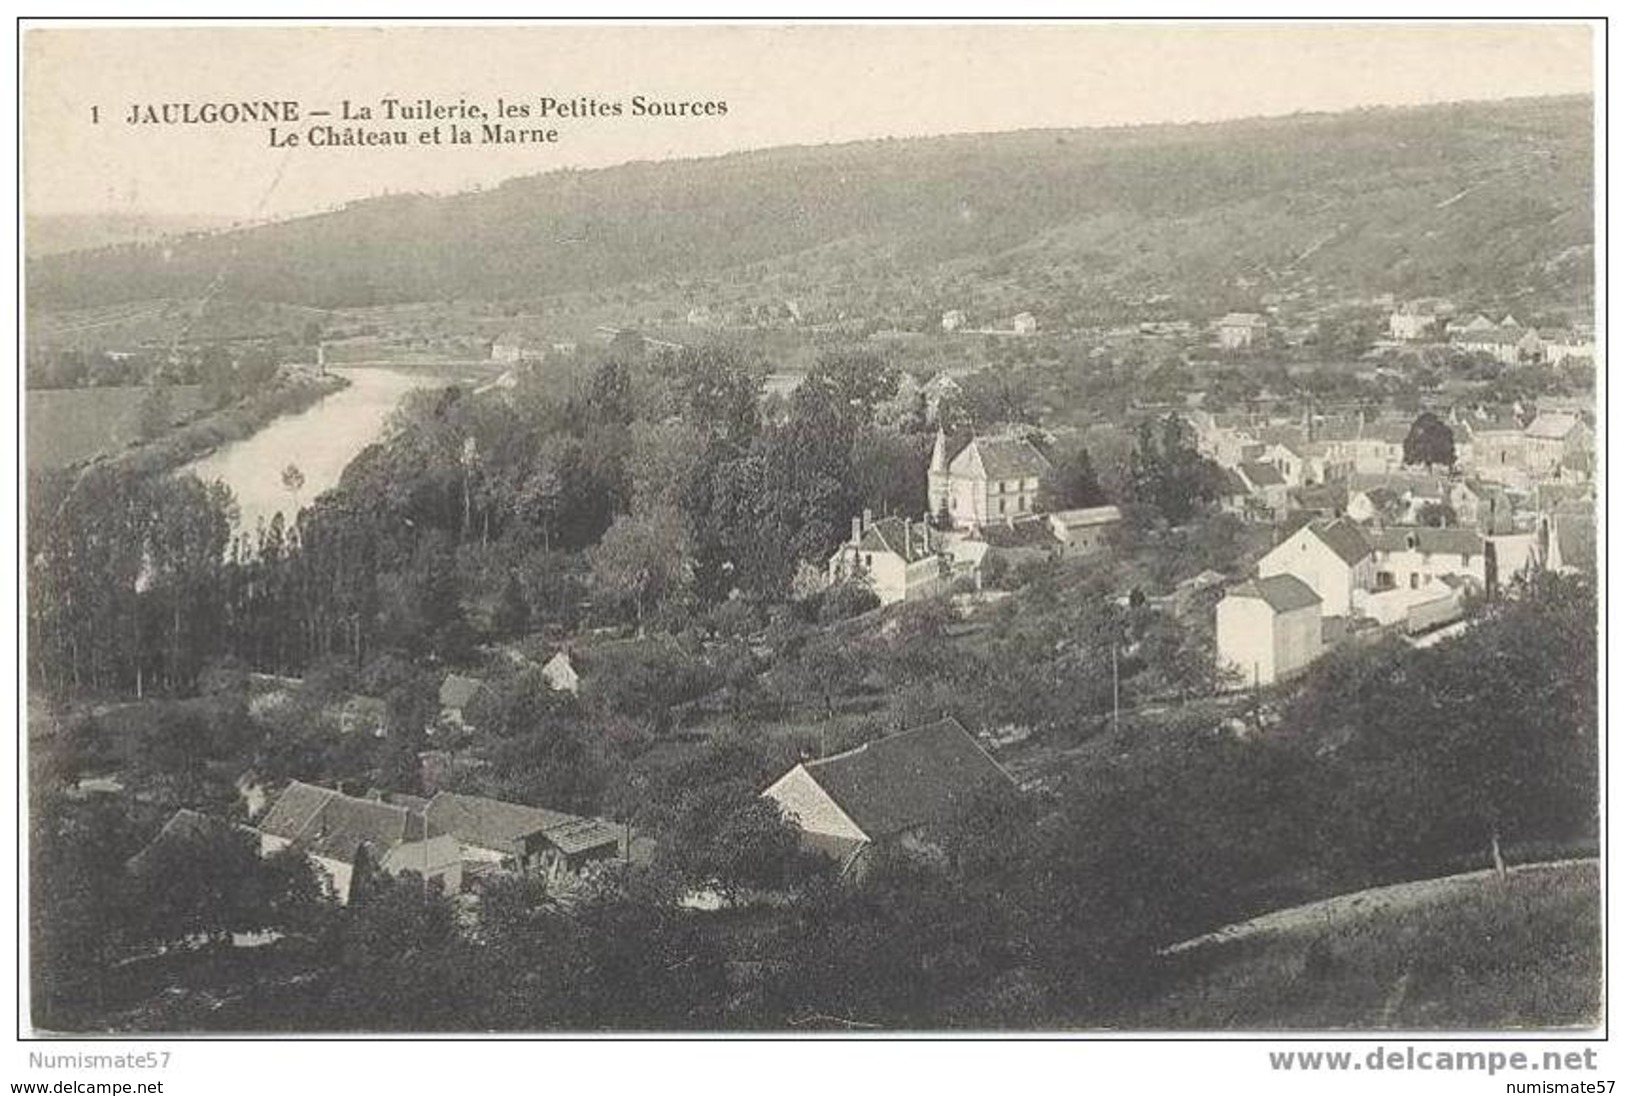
(908, 538)
(868, 517)
(857, 530)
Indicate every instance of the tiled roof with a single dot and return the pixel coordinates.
(911, 541)
(490, 823)
(997, 458)
(184, 828)
(1262, 475)
(925, 776)
(1283, 593)
(1343, 537)
(334, 825)
(1428, 540)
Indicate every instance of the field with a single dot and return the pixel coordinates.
(73, 424)
(1467, 953)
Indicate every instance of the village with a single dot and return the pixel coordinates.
(974, 627)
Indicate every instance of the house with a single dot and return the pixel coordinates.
(341, 834)
(1359, 446)
(1415, 557)
(1418, 319)
(992, 478)
(1266, 486)
(560, 674)
(953, 320)
(1398, 498)
(1477, 324)
(1333, 558)
(1493, 445)
(512, 349)
(1507, 345)
(897, 791)
(185, 832)
(513, 837)
(900, 559)
(1554, 440)
(1268, 629)
(1084, 530)
(1241, 330)
(1566, 346)
(457, 691)
(1024, 323)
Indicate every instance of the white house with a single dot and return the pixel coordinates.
(900, 559)
(1333, 558)
(1268, 629)
(1241, 330)
(1084, 530)
(953, 320)
(1024, 323)
(1416, 557)
(991, 479)
(898, 790)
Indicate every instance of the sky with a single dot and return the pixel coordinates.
(800, 84)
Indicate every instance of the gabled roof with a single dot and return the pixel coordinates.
(1343, 537)
(1400, 538)
(998, 458)
(911, 541)
(1261, 475)
(457, 690)
(490, 823)
(334, 825)
(1283, 593)
(184, 828)
(1552, 426)
(925, 776)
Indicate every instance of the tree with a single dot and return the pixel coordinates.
(1167, 473)
(643, 558)
(156, 411)
(1070, 482)
(1430, 442)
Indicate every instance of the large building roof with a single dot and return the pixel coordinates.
(334, 825)
(925, 776)
(494, 824)
(997, 458)
(1283, 593)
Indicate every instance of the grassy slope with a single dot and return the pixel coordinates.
(1489, 199)
(1477, 954)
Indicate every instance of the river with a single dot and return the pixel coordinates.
(320, 441)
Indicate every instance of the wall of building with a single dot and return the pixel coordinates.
(808, 807)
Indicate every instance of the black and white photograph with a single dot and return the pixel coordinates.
(827, 531)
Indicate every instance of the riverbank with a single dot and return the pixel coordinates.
(295, 389)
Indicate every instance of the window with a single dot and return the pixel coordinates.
(1003, 487)
(1416, 580)
(1001, 506)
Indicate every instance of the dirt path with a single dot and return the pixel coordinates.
(1392, 898)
